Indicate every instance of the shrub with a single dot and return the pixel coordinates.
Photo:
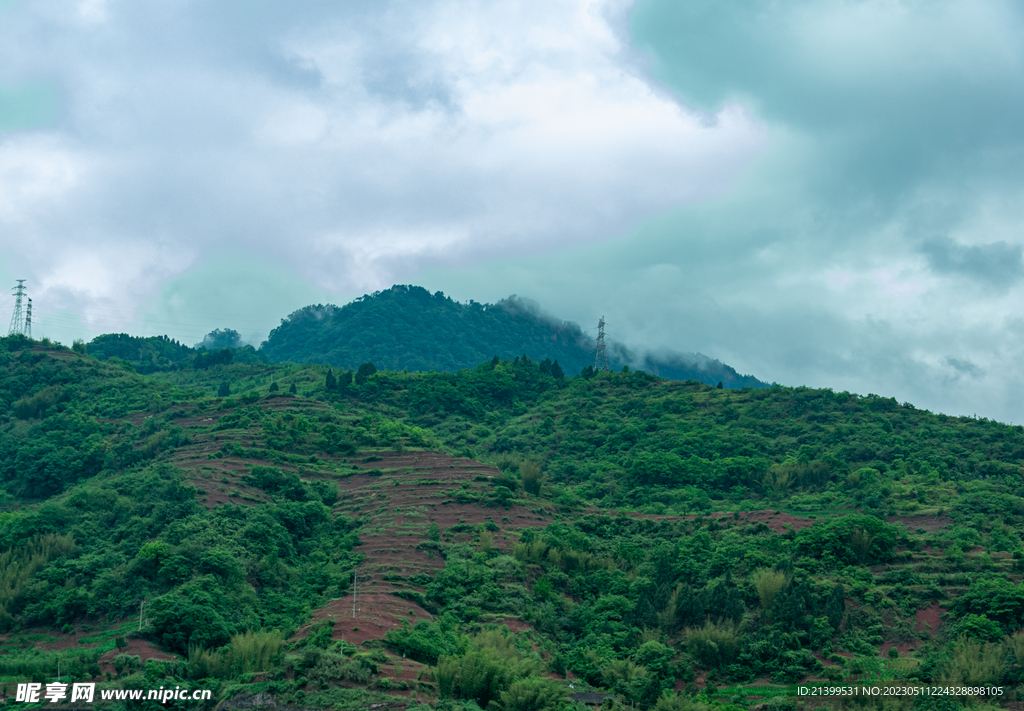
(714, 645)
(974, 663)
(245, 653)
(534, 694)
(36, 405)
(768, 583)
(491, 666)
(531, 478)
(127, 664)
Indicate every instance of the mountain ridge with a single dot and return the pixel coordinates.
(434, 332)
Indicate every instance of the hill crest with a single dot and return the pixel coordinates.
(407, 327)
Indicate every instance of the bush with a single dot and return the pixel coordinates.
(247, 652)
(491, 665)
(768, 583)
(714, 645)
(531, 478)
(127, 664)
(997, 600)
(333, 667)
(974, 663)
(427, 641)
(534, 694)
(977, 627)
(36, 405)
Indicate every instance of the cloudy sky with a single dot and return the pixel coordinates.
(821, 193)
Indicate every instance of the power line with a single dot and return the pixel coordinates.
(118, 321)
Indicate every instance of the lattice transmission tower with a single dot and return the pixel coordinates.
(18, 317)
(28, 320)
(600, 357)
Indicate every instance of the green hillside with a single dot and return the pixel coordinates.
(510, 531)
(151, 354)
(407, 327)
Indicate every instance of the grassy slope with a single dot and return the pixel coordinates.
(169, 477)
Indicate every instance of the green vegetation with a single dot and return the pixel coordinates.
(640, 534)
(160, 353)
(407, 327)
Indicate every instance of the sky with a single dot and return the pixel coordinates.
(821, 193)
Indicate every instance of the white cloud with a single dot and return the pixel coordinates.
(356, 142)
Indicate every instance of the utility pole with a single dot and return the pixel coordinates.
(142, 606)
(28, 320)
(17, 318)
(354, 581)
(600, 357)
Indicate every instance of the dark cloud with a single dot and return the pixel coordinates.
(764, 187)
(998, 264)
(964, 367)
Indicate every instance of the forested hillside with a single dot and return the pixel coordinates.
(407, 327)
(512, 531)
(151, 354)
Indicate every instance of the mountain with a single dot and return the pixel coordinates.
(407, 327)
(435, 541)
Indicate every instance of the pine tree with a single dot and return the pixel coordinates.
(364, 372)
(556, 371)
(835, 606)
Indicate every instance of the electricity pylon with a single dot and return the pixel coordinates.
(600, 357)
(17, 318)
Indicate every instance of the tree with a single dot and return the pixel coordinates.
(714, 645)
(274, 387)
(224, 390)
(208, 359)
(486, 542)
(503, 495)
(293, 390)
(364, 372)
(556, 371)
(997, 600)
(531, 477)
(768, 583)
(835, 606)
(331, 381)
(977, 627)
(221, 338)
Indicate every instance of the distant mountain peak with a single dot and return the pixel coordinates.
(407, 326)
